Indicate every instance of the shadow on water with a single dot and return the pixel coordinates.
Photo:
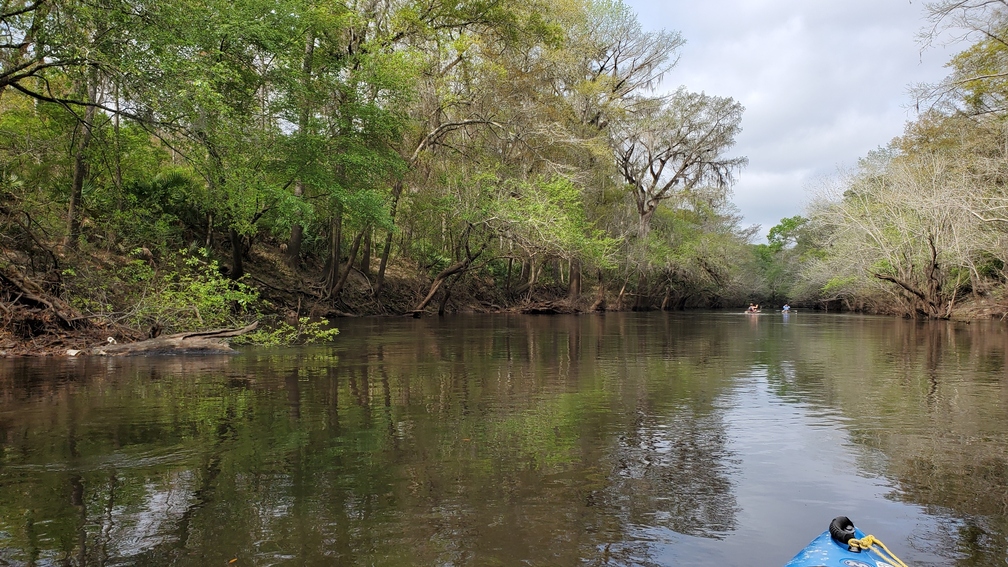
(505, 440)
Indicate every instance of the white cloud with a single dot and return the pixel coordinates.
(823, 83)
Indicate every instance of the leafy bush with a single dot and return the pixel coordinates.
(190, 294)
(305, 332)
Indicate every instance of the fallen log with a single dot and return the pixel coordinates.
(203, 342)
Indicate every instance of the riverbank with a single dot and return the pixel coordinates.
(89, 300)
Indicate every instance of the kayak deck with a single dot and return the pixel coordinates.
(826, 551)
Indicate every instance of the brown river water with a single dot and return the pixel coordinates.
(706, 438)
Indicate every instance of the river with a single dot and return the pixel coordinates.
(706, 438)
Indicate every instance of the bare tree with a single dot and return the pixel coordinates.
(978, 82)
(670, 147)
(901, 227)
(619, 61)
(965, 19)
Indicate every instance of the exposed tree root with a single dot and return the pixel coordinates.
(18, 291)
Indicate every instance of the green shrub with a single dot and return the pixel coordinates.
(305, 332)
(191, 294)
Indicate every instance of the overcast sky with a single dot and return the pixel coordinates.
(823, 83)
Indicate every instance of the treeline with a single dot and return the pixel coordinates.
(518, 144)
(920, 226)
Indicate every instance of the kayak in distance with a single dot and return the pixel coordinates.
(843, 545)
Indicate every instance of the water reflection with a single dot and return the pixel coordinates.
(599, 440)
(500, 441)
(932, 399)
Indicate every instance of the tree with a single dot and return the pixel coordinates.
(348, 99)
(696, 256)
(979, 79)
(780, 260)
(65, 52)
(900, 227)
(608, 61)
(787, 233)
(671, 147)
(475, 132)
(41, 38)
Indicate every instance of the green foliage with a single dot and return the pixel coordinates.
(981, 69)
(202, 294)
(837, 284)
(779, 263)
(158, 212)
(547, 219)
(883, 266)
(189, 294)
(990, 266)
(306, 331)
(787, 232)
(429, 255)
(489, 125)
(697, 253)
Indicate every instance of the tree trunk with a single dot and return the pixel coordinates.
(331, 269)
(642, 299)
(531, 274)
(930, 300)
(386, 249)
(237, 265)
(297, 231)
(446, 296)
(294, 245)
(383, 261)
(574, 288)
(365, 261)
(204, 342)
(622, 293)
(646, 211)
(600, 303)
(335, 292)
(80, 168)
(456, 268)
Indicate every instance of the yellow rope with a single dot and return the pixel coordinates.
(868, 542)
